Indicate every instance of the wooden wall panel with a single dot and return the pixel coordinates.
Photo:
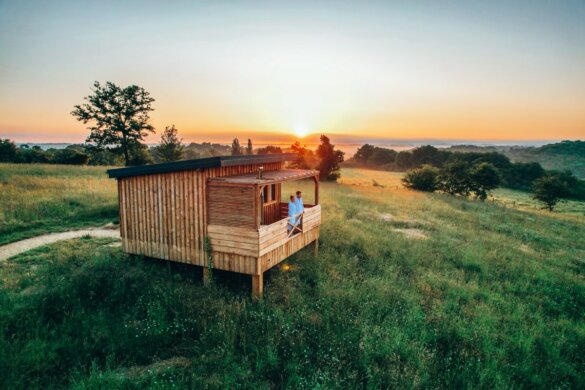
(231, 206)
(234, 240)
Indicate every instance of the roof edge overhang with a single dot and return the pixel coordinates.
(200, 163)
(280, 177)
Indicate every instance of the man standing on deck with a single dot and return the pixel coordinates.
(299, 202)
(292, 211)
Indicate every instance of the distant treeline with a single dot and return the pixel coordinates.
(520, 176)
(559, 156)
(90, 155)
(325, 159)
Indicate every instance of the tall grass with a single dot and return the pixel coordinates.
(493, 297)
(39, 198)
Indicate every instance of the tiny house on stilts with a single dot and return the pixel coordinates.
(168, 211)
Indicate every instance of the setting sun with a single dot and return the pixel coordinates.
(301, 131)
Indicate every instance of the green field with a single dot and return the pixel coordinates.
(409, 290)
(36, 199)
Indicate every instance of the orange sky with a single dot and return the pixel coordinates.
(495, 71)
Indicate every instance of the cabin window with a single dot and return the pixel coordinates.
(273, 192)
(269, 193)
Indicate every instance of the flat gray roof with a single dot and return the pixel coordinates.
(201, 163)
(268, 177)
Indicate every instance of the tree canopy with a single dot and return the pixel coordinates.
(119, 117)
(549, 190)
(484, 177)
(170, 148)
(329, 169)
(7, 150)
(425, 178)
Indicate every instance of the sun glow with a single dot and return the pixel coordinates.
(301, 131)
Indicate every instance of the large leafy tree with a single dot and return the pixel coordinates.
(249, 148)
(330, 159)
(119, 117)
(170, 148)
(484, 177)
(454, 178)
(549, 190)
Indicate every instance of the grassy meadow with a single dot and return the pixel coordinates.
(36, 199)
(409, 290)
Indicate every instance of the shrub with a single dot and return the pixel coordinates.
(424, 178)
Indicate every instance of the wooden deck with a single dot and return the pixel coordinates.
(268, 245)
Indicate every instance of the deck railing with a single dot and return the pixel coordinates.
(276, 234)
(254, 243)
(294, 224)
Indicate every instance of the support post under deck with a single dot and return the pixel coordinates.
(257, 286)
(205, 276)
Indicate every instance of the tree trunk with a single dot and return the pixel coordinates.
(126, 155)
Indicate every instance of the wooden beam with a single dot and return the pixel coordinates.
(257, 286)
(316, 180)
(206, 276)
(257, 207)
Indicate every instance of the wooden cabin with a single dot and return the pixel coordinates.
(168, 211)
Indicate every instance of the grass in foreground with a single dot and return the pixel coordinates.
(493, 297)
(38, 198)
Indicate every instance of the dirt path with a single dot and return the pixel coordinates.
(15, 248)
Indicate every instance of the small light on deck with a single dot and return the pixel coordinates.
(285, 267)
(260, 171)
